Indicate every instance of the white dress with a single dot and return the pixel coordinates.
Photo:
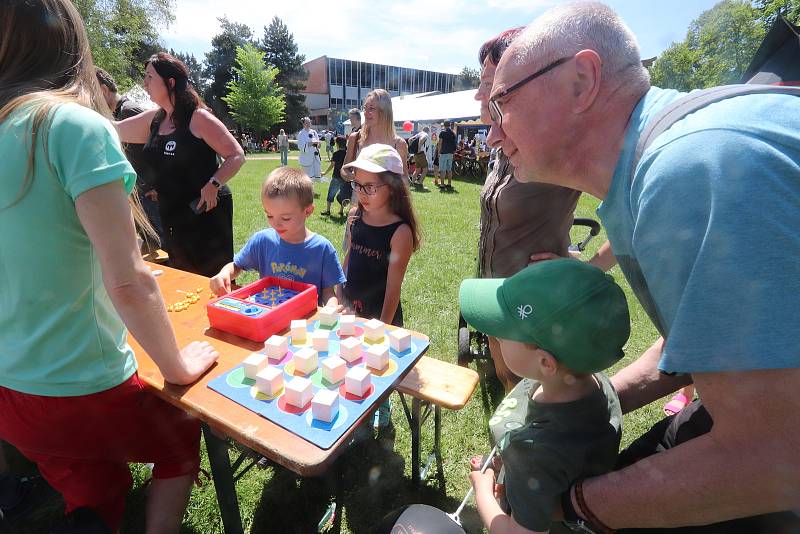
(309, 154)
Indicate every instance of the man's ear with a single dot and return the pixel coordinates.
(587, 78)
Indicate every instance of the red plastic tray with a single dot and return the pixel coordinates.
(235, 314)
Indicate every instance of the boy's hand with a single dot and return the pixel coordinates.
(333, 302)
(221, 284)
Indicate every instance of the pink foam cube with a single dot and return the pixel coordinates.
(276, 347)
(350, 349)
(377, 357)
(325, 405)
(319, 340)
(373, 330)
(253, 364)
(333, 369)
(298, 330)
(270, 381)
(328, 316)
(357, 381)
(298, 392)
(347, 325)
(400, 340)
(305, 360)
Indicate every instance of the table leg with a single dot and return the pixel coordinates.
(224, 485)
(415, 424)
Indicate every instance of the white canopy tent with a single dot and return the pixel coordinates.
(457, 106)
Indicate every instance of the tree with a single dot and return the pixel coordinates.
(195, 69)
(467, 79)
(220, 62)
(124, 33)
(718, 48)
(770, 8)
(281, 51)
(255, 100)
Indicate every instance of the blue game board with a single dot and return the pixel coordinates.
(240, 389)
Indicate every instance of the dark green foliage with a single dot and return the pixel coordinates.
(280, 50)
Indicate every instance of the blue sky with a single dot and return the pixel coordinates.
(434, 34)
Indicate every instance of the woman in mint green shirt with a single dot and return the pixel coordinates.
(72, 282)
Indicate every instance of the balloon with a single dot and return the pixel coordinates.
(408, 126)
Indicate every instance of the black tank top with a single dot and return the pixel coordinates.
(368, 267)
(182, 164)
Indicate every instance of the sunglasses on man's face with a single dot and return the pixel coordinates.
(494, 106)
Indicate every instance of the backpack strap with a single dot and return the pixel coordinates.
(694, 101)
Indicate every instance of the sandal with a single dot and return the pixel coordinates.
(677, 403)
(325, 213)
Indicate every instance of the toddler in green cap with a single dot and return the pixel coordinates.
(559, 324)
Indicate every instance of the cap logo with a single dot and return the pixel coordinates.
(524, 311)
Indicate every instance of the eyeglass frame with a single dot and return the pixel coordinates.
(494, 106)
(363, 187)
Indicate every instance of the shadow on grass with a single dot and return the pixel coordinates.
(367, 483)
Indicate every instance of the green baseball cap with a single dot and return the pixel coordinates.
(567, 307)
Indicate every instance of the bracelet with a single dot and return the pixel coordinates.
(584, 508)
(213, 181)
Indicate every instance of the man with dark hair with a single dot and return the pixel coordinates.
(123, 108)
(447, 146)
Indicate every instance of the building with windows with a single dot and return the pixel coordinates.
(337, 85)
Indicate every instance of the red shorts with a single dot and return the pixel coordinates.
(82, 445)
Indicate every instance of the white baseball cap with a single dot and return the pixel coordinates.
(377, 158)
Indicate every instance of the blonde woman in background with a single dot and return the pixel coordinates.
(378, 127)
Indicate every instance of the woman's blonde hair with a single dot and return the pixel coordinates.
(45, 61)
(384, 129)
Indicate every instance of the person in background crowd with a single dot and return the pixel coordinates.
(283, 147)
(123, 108)
(308, 144)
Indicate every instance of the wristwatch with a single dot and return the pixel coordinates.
(571, 518)
(213, 181)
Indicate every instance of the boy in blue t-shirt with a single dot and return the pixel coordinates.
(288, 249)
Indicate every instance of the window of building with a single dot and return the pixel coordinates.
(350, 73)
(407, 80)
(366, 74)
(419, 77)
(394, 79)
(379, 79)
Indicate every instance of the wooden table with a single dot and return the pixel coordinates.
(221, 415)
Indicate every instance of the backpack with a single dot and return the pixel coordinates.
(413, 144)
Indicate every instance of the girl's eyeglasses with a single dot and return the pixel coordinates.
(367, 189)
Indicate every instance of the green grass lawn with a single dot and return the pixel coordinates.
(376, 471)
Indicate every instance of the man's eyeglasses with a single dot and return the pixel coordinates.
(494, 105)
(367, 189)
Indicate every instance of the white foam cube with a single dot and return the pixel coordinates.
(377, 357)
(357, 381)
(319, 340)
(328, 316)
(298, 330)
(373, 330)
(333, 369)
(325, 405)
(305, 360)
(350, 349)
(277, 347)
(347, 325)
(253, 364)
(270, 381)
(298, 391)
(400, 340)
